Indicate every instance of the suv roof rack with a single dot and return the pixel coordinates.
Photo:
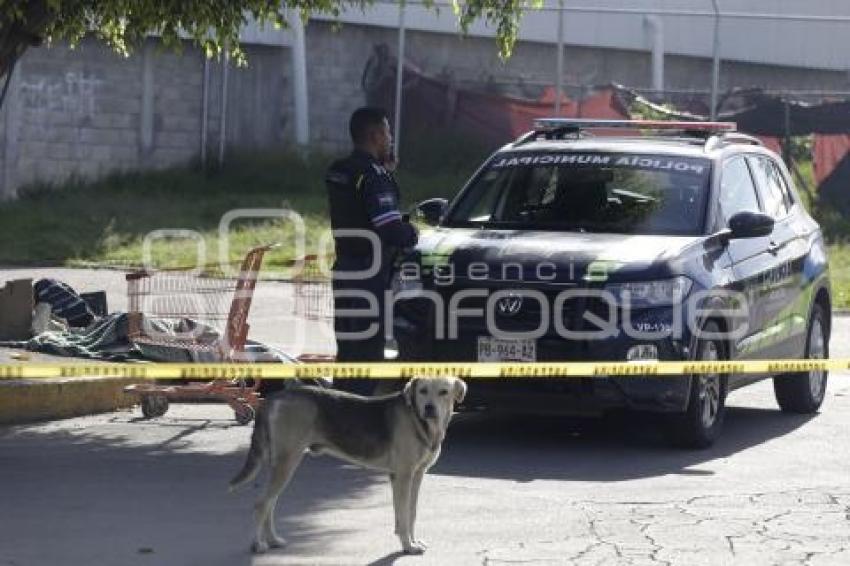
(557, 128)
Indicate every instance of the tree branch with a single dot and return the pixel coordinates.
(17, 33)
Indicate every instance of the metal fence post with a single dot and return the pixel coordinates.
(222, 122)
(715, 67)
(11, 104)
(148, 101)
(655, 27)
(399, 81)
(299, 67)
(559, 72)
(786, 141)
(205, 109)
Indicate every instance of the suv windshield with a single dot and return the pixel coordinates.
(596, 192)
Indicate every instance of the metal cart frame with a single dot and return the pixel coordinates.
(175, 293)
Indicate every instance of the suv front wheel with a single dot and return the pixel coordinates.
(700, 425)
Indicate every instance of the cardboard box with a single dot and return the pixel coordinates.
(16, 304)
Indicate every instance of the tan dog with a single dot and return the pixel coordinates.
(400, 434)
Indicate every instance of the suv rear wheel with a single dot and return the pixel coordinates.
(700, 425)
(803, 393)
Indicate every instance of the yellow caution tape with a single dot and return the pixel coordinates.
(391, 370)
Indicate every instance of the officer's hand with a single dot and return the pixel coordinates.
(391, 164)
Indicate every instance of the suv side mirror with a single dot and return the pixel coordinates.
(750, 224)
(431, 211)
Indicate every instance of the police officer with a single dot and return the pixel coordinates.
(369, 231)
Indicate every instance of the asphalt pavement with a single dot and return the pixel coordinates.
(114, 489)
(117, 490)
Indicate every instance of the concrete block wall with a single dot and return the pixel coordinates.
(88, 111)
(475, 59)
(260, 101)
(335, 62)
(336, 59)
(78, 113)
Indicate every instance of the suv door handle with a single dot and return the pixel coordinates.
(773, 247)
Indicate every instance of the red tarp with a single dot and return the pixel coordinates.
(831, 163)
(492, 118)
(501, 118)
(602, 105)
(771, 143)
(430, 102)
(827, 153)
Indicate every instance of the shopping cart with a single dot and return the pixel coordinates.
(312, 297)
(203, 318)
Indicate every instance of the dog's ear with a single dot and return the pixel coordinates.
(408, 391)
(459, 390)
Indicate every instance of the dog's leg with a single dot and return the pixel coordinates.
(401, 482)
(414, 502)
(282, 471)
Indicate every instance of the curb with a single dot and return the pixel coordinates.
(30, 400)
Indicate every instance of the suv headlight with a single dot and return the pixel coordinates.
(658, 293)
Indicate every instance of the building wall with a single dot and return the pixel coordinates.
(774, 32)
(336, 60)
(88, 111)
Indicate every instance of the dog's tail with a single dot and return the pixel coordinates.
(256, 453)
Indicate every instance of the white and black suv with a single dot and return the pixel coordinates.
(668, 241)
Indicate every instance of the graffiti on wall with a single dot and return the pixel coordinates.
(74, 94)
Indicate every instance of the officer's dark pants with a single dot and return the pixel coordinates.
(369, 349)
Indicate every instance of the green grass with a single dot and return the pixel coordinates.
(839, 268)
(836, 230)
(106, 222)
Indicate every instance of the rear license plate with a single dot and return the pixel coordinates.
(497, 350)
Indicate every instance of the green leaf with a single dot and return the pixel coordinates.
(212, 25)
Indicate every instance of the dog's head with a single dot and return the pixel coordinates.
(433, 398)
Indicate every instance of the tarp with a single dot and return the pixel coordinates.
(771, 119)
(831, 162)
(828, 151)
(772, 143)
(494, 118)
(431, 102)
(766, 115)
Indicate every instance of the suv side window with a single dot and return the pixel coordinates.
(771, 189)
(783, 184)
(737, 192)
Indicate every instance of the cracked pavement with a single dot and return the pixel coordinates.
(116, 490)
(802, 526)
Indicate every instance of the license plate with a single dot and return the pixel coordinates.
(496, 350)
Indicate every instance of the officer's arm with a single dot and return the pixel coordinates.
(382, 208)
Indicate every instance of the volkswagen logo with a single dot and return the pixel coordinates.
(509, 305)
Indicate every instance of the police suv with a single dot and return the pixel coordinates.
(666, 241)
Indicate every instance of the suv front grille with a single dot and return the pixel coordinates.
(528, 316)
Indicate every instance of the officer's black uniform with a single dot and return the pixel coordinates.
(363, 195)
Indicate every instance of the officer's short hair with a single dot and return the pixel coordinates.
(364, 119)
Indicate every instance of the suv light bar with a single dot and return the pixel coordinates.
(549, 124)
